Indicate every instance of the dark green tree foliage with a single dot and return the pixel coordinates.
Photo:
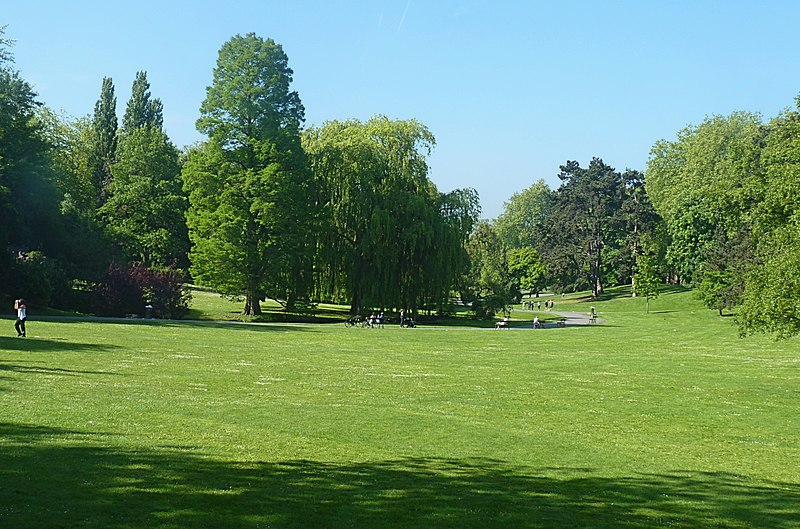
(142, 111)
(5, 43)
(77, 240)
(145, 206)
(104, 140)
(724, 270)
(637, 219)
(251, 214)
(144, 213)
(587, 216)
(392, 240)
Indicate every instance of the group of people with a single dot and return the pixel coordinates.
(537, 305)
(375, 320)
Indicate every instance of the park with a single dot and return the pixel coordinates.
(659, 419)
(289, 324)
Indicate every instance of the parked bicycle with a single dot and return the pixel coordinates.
(355, 321)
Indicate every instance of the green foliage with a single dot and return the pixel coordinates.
(141, 111)
(771, 301)
(701, 182)
(104, 139)
(724, 270)
(524, 218)
(526, 267)
(389, 238)
(251, 214)
(489, 286)
(647, 275)
(144, 212)
(586, 218)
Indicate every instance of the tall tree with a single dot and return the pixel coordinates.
(104, 129)
(490, 285)
(142, 111)
(585, 219)
(145, 207)
(250, 195)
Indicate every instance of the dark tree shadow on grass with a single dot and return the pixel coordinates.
(34, 344)
(56, 478)
(231, 325)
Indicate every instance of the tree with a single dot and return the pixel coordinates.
(392, 240)
(145, 210)
(586, 217)
(526, 267)
(142, 111)
(771, 299)
(5, 55)
(145, 205)
(700, 183)
(522, 223)
(647, 275)
(251, 210)
(490, 286)
(104, 140)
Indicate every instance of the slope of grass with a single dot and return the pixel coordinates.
(664, 419)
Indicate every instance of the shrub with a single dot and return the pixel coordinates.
(128, 290)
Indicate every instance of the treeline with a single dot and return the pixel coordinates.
(719, 210)
(107, 217)
(588, 234)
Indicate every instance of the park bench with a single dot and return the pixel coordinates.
(502, 324)
(562, 322)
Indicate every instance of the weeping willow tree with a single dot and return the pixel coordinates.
(391, 240)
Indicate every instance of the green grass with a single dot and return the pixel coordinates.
(664, 419)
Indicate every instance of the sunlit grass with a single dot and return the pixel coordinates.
(665, 419)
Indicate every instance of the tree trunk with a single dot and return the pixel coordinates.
(252, 307)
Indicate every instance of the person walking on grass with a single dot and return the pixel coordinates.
(22, 315)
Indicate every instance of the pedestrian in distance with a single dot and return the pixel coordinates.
(22, 315)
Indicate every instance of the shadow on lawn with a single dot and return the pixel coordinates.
(57, 478)
(34, 344)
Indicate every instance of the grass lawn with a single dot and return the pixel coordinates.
(665, 419)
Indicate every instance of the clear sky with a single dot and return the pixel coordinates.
(510, 89)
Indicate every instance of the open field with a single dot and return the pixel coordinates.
(659, 420)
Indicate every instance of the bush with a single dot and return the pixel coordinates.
(127, 290)
(37, 278)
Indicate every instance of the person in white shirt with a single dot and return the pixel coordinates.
(22, 315)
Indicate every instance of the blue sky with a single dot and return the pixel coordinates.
(510, 89)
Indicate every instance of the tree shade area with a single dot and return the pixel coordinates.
(91, 210)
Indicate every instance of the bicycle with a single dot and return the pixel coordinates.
(355, 321)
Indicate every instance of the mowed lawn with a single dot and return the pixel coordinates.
(665, 419)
